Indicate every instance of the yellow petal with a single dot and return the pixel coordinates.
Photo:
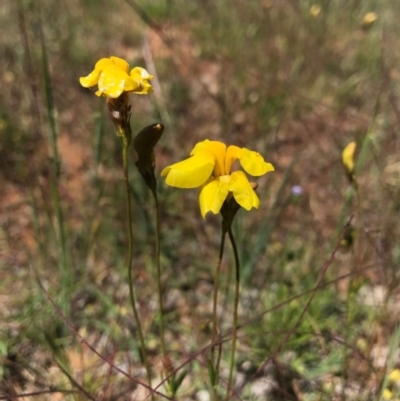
(348, 157)
(120, 63)
(254, 164)
(213, 195)
(140, 73)
(218, 149)
(102, 64)
(141, 77)
(93, 78)
(113, 81)
(144, 88)
(90, 80)
(232, 153)
(190, 173)
(244, 194)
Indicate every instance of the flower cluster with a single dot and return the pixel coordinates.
(210, 164)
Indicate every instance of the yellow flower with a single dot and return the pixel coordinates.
(348, 157)
(315, 10)
(210, 167)
(112, 78)
(369, 19)
(387, 394)
(394, 376)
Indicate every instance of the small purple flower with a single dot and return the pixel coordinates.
(297, 190)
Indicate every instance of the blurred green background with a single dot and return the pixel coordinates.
(295, 80)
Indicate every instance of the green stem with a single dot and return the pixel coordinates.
(351, 289)
(215, 365)
(125, 148)
(235, 310)
(159, 287)
(65, 272)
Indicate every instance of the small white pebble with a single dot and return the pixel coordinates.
(203, 395)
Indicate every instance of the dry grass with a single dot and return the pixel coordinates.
(266, 75)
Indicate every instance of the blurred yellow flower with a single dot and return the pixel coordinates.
(394, 376)
(348, 157)
(112, 78)
(369, 19)
(315, 10)
(387, 394)
(210, 167)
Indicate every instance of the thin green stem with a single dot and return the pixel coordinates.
(215, 364)
(125, 148)
(351, 285)
(235, 310)
(65, 272)
(171, 381)
(159, 287)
